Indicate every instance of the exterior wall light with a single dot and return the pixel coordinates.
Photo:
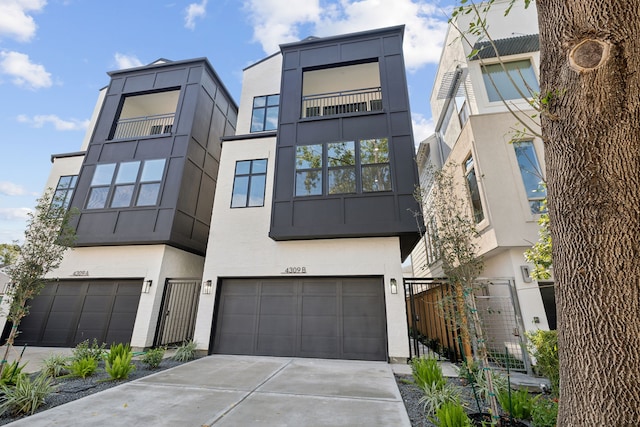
(146, 286)
(394, 286)
(207, 287)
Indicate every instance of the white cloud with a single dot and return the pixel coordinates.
(422, 127)
(280, 21)
(15, 20)
(39, 121)
(14, 213)
(193, 11)
(24, 72)
(11, 189)
(126, 61)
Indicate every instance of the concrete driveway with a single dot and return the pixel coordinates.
(223, 390)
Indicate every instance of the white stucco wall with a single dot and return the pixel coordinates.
(239, 246)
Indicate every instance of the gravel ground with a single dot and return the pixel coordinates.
(411, 396)
(70, 389)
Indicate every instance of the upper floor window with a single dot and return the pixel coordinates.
(249, 183)
(462, 107)
(341, 90)
(349, 167)
(148, 114)
(474, 190)
(531, 175)
(265, 113)
(508, 79)
(64, 191)
(121, 185)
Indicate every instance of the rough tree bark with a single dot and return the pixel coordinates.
(590, 71)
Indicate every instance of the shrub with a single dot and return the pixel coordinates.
(84, 350)
(11, 373)
(543, 345)
(83, 368)
(499, 382)
(519, 406)
(55, 365)
(544, 412)
(153, 357)
(427, 372)
(26, 396)
(118, 362)
(436, 395)
(186, 352)
(468, 370)
(451, 414)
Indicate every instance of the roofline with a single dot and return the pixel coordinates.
(359, 34)
(64, 155)
(266, 58)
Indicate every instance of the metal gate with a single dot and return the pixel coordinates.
(499, 312)
(178, 312)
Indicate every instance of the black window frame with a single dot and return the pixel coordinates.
(63, 192)
(265, 110)
(251, 175)
(473, 188)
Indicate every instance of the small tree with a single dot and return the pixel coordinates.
(456, 239)
(8, 253)
(47, 236)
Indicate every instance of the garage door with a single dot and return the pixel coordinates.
(69, 312)
(336, 318)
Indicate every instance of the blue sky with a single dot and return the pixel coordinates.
(54, 56)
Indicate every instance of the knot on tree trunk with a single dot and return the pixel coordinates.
(588, 55)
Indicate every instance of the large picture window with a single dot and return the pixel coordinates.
(249, 183)
(118, 185)
(519, 75)
(349, 167)
(531, 175)
(474, 190)
(265, 113)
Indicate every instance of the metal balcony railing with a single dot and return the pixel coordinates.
(142, 126)
(348, 101)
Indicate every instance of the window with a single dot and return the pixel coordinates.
(64, 191)
(119, 182)
(309, 170)
(497, 81)
(249, 183)
(531, 175)
(265, 113)
(374, 160)
(474, 191)
(341, 164)
(462, 107)
(349, 167)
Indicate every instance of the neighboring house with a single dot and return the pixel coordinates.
(498, 169)
(311, 219)
(301, 252)
(144, 183)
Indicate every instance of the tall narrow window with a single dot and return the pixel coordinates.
(518, 75)
(249, 183)
(64, 191)
(374, 161)
(341, 162)
(474, 191)
(265, 113)
(100, 185)
(531, 175)
(150, 181)
(309, 170)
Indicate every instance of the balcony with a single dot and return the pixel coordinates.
(135, 127)
(347, 101)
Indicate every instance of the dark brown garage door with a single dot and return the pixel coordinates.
(69, 312)
(334, 318)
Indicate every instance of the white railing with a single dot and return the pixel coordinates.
(348, 101)
(142, 126)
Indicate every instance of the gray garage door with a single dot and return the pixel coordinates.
(334, 318)
(69, 312)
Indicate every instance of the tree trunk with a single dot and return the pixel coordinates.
(590, 64)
